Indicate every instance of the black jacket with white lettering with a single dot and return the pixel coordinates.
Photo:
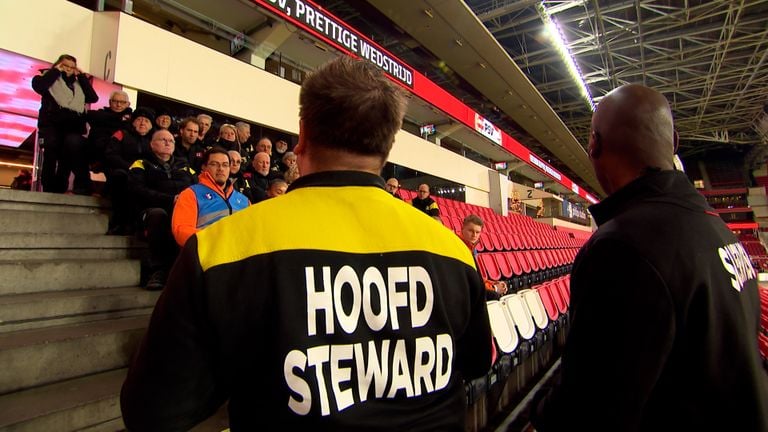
(316, 326)
(664, 320)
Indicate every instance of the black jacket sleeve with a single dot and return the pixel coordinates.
(172, 382)
(113, 154)
(621, 333)
(89, 92)
(41, 83)
(474, 347)
(145, 195)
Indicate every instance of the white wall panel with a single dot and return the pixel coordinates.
(45, 29)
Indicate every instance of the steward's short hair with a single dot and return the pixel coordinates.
(350, 105)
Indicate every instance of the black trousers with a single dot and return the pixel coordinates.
(64, 152)
(156, 223)
(123, 212)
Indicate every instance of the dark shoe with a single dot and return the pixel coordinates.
(156, 281)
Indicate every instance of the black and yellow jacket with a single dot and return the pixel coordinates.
(155, 184)
(360, 313)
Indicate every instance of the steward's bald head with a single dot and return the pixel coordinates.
(632, 131)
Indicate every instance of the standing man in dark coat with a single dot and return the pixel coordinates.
(64, 91)
(664, 301)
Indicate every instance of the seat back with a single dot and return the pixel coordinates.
(535, 307)
(491, 269)
(502, 326)
(548, 302)
(557, 297)
(520, 314)
(503, 265)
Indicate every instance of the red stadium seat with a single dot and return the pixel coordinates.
(491, 269)
(523, 261)
(557, 297)
(565, 293)
(504, 239)
(503, 265)
(531, 260)
(487, 243)
(513, 264)
(548, 302)
(497, 245)
(763, 344)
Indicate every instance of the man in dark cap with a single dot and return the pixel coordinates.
(664, 302)
(125, 147)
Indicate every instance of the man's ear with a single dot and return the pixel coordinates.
(301, 143)
(675, 141)
(595, 145)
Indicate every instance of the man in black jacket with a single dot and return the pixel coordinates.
(105, 122)
(346, 320)
(124, 148)
(155, 183)
(664, 302)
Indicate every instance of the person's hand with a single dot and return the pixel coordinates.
(58, 67)
(175, 197)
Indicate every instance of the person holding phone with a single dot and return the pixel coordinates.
(65, 91)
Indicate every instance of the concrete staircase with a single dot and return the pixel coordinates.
(71, 313)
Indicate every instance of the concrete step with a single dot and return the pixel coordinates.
(89, 403)
(49, 202)
(38, 357)
(23, 277)
(54, 308)
(43, 246)
(24, 221)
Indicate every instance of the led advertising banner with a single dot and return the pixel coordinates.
(314, 18)
(320, 23)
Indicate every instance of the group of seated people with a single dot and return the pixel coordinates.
(167, 180)
(254, 180)
(172, 201)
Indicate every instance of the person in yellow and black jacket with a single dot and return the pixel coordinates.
(211, 199)
(155, 183)
(348, 320)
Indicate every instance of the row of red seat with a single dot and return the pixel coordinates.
(754, 248)
(520, 315)
(505, 265)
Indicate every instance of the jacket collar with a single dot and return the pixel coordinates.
(208, 181)
(670, 187)
(336, 179)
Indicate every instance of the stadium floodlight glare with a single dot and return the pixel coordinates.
(558, 39)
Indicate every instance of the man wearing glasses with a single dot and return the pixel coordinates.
(105, 122)
(392, 186)
(155, 183)
(208, 201)
(426, 203)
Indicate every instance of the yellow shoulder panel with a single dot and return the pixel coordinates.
(138, 164)
(351, 219)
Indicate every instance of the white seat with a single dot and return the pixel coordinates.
(502, 327)
(517, 308)
(535, 307)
